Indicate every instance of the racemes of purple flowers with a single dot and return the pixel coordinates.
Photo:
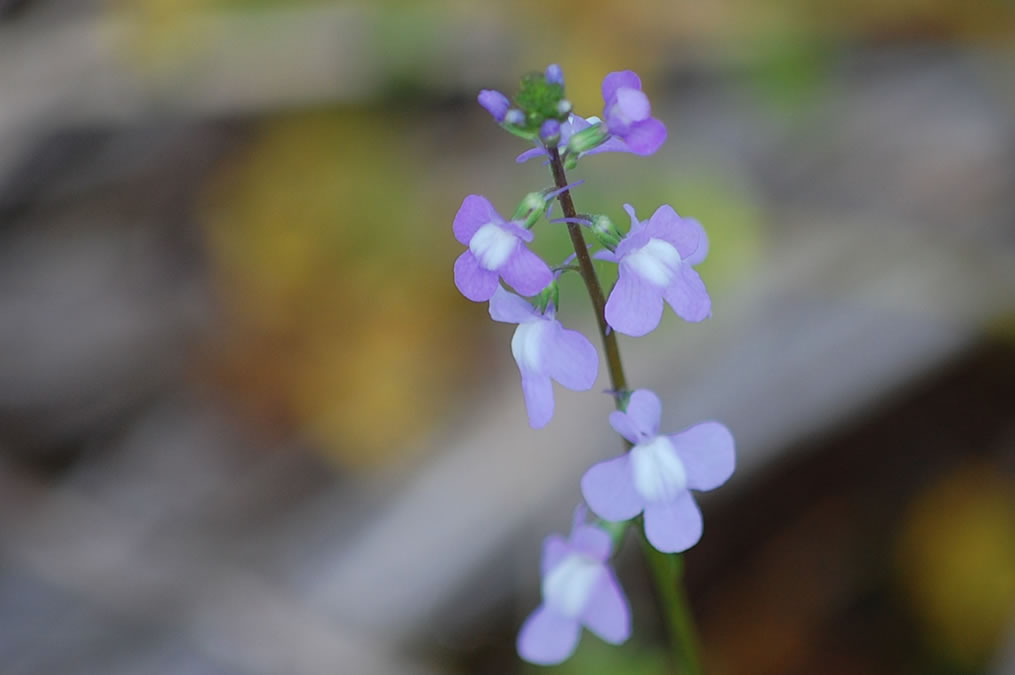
(655, 262)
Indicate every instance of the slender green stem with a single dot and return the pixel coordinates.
(666, 569)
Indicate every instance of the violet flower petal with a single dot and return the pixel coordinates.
(555, 547)
(531, 154)
(475, 282)
(624, 426)
(547, 637)
(646, 136)
(538, 392)
(526, 272)
(699, 254)
(634, 103)
(517, 230)
(685, 234)
(673, 527)
(608, 488)
(611, 144)
(708, 453)
(644, 409)
(605, 254)
(634, 306)
(614, 81)
(509, 308)
(592, 541)
(688, 297)
(607, 613)
(475, 212)
(571, 359)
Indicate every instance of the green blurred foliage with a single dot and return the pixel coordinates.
(338, 296)
(956, 560)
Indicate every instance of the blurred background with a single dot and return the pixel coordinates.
(248, 425)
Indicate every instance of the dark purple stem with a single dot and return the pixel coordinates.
(581, 251)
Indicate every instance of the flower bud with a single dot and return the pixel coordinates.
(496, 103)
(515, 117)
(564, 108)
(605, 231)
(530, 209)
(554, 74)
(586, 139)
(549, 132)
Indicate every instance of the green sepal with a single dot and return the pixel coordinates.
(550, 294)
(520, 132)
(530, 209)
(616, 530)
(570, 161)
(587, 139)
(605, 231)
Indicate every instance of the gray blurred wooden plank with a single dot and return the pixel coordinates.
(228, 614)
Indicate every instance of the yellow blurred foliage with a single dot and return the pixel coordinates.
(956, 556)
(342, 318)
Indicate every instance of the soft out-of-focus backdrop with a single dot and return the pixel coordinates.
(247, 424)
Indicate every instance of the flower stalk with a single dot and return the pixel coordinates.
(649, 484)
(667, 569)
(617, 379)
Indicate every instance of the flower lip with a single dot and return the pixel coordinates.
(659, 475)
(569, 583)
(657, 262)
(628, 107)
(492, 245)
(527, 345)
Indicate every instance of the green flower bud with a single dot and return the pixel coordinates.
(530, 210)
(605, 231)
(539, 98)
(586, 139)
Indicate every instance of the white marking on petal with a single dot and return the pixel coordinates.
(527, 345)
(567, 586)
(657, 262)
(659, 475)
(633, 103)
(492, 245)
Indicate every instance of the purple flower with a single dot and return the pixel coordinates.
(628, 113)
(658, 472)
(655, 259)
(544, 349)
(496, 249)
(496, 103)
(579, 589)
